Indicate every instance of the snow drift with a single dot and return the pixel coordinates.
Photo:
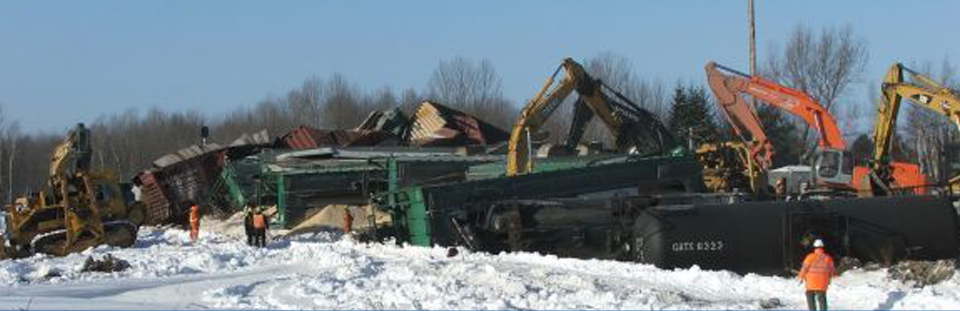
(327, 271)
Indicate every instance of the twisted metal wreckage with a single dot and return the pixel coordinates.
(443, 178)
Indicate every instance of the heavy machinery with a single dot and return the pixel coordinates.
(80, 207)
(924, 92)
(729, 167)
(668, 221)
(635, 130)
(834, 165)
(650, 208)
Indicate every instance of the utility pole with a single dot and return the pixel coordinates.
(753, 41)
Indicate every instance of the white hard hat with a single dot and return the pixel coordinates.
(818, 243)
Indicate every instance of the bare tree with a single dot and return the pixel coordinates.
(616, 72)
(934, 135)
(821, 65)
(341, 105)
(473, 87)
(12, 131)
(305, 103)
(4, 142)
(381, 99)
(409, 100)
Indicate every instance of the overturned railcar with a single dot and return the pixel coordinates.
(773, 237)
(646, 211)
(471, 213)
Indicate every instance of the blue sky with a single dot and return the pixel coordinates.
(63, 62)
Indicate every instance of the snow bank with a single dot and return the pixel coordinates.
(326, 271)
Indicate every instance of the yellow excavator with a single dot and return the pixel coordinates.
(80, 207)
(635, 130)
(729, 167)
(922, 91)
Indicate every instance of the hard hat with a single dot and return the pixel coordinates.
(818, 243)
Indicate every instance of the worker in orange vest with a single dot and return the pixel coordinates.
(259, 227)
(347, 220)
(816, 273)
(194, 222)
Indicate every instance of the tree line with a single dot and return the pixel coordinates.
(825, 64)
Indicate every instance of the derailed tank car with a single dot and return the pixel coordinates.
(773, 237)
(586, 213)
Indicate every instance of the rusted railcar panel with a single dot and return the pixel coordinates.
(304, 137)
(178, 180)
(158, 207)
(437, 125)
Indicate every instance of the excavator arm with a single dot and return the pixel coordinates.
(742, 117)
(924, 92)
(532, 117)
(73, 154)
(834, 165)
(791, 100)
(632, 127)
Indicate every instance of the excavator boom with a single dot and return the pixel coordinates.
(921, 91)
(791, 100)
(834, 164)
(742, 117)
(632, 127)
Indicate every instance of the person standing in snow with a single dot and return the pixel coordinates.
(347, 220)
(248, 223)
(194, 222)
(259, 228)
(816, 273)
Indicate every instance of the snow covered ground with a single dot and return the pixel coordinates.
(327, 271)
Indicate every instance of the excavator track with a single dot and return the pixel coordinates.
(121, 233)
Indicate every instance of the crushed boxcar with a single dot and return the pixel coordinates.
(177, 180)
(190, 175)
(300, 183)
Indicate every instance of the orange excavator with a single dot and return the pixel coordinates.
(834, 168)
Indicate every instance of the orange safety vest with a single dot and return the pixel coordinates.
(347, 221)
(258, 221)
(194, 214)
(817, 270)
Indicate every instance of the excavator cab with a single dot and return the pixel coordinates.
(834, 166)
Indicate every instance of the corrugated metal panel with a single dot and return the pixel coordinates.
(185, 154)
(304, 137)
(185, 176)
(372, 138)
(438, 125)
(259, 139)
(158, 207)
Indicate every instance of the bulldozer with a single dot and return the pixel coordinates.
(78, 209)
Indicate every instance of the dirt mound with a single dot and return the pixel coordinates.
(331, 218)
(233, 226)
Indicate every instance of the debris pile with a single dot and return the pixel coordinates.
(771, 303)
(106, 264)
(923, 273)
(318, 167)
